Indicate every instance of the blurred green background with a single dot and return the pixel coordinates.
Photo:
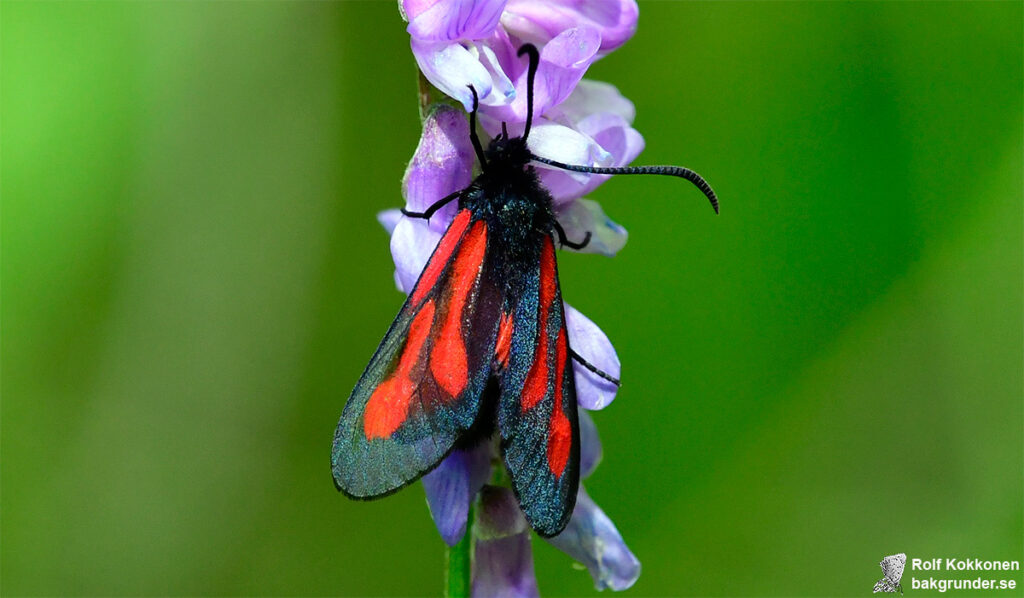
(193, 279)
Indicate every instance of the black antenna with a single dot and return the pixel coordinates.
(678, 171)
(530, 74)
(472, 130)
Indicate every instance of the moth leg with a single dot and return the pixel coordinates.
(565, 242)
(434, 207)
(594, 369)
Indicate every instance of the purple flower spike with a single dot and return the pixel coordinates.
(503, 563)
(451, 487)
(538, 21)
(591, 538)
(442, 164)
(592, 391)
(458, 43)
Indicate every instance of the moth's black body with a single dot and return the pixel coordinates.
(517, 209)
(480, 345)
(520, 219)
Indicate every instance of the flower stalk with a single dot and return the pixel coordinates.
(458, 574)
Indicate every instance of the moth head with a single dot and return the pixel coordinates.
(506, 152)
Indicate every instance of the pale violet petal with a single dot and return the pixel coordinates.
(502, 90)
(624, 143)
(410, 9)
(579, 217)
(592, 539)
(609, 131)
(611, 126)
(565, 145)
(592, 344)
(590, 445)
(614, 135)
(389, 219)
(452, 68)
(453, 20)
(503, 560)
(441, 165)
(411, 245)
(563, 61)
(451, 488)
(565, 186)
(538, 21)
(593, 97)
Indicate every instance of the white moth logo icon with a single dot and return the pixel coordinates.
(892, 567)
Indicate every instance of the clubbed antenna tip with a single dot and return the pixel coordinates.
(677, 171)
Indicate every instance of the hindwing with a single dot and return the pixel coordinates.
(537, 411)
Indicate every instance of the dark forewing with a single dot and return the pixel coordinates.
(537, 411)
(422, 387)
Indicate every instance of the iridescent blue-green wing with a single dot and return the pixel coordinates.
(421, 390)
(537, 411)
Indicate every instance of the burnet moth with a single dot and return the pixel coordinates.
(480, 344)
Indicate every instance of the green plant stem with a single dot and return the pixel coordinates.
(459, 558)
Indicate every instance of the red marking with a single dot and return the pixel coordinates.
(448, 361)
(537, 380)
(560, 432)
(504, 343)
(388, 406)
(444, 251)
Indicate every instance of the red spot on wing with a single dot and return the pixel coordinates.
(448, 360)
(537, 380)
(560, 432)
(504, 343)
(388, 406)
(444, 251)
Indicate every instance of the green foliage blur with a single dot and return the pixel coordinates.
(193, 279)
